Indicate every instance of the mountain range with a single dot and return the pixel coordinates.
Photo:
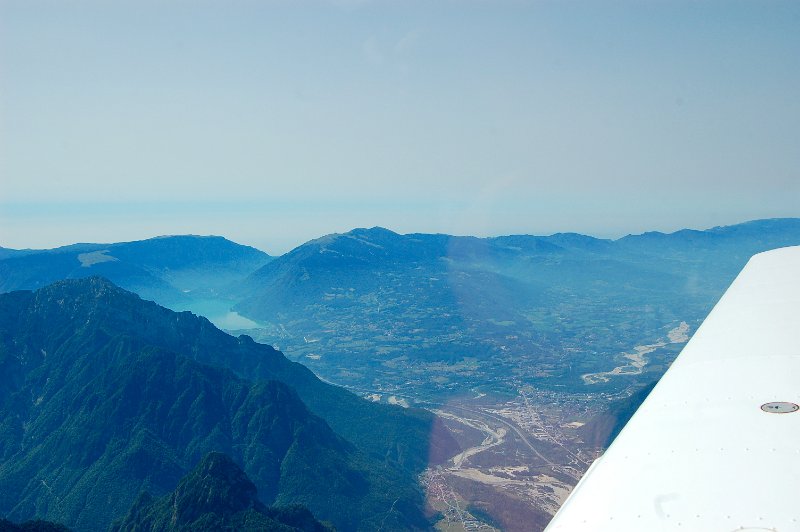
(440, 314)
(383, 312)
(106, 395)
(170, 269)
(373, 307)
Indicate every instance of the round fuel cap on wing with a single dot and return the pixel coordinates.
(780, 407)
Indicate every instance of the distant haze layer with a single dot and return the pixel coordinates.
(278, 233)
(273, 122)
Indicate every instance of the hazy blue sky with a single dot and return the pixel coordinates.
(275, 122)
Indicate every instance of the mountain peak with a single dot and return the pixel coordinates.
(215, 495)
(95, 284)
(217, 484)
(372, 231)
(84, 288)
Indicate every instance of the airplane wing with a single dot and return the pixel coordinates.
(716, 445)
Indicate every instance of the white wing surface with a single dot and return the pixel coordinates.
(701, 453)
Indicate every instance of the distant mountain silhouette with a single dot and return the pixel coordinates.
(163, 268)
(370, 260)
(372, 299)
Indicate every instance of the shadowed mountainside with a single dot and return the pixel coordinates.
(105, 395)
(31, 526)
(604, 428)
(215, 495)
